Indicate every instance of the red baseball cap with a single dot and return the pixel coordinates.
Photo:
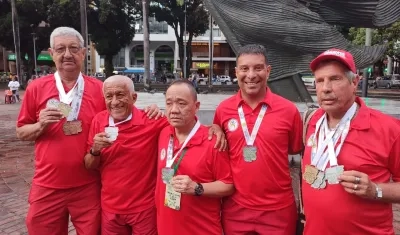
(342, 56)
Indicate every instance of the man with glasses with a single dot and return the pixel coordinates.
(56, 113)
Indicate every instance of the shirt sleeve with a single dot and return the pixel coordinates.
(217, 118)
(296, 135)
(394, 160)
(92, 132)
(28, 112)
(222, 167)
(10, 84)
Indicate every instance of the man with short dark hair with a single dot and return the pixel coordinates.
(351, 157)
(192, 175)
(262, 129)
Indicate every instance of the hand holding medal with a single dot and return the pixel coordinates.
(100, 141)
(49, 115)
(358, 183)
(183, 184)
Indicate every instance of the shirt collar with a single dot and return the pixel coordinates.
(267, 99)
(137, 119)
(360, 122)
(197, 139)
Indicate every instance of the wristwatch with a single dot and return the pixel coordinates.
(94, 154)
(378, 193)
(198, 190)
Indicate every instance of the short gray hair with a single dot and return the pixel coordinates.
(350, 75)
(253, 49)
(121, 78)
(66, 31)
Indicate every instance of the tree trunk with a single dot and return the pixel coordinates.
(189, 53)
(146, 43)
(16, 41)
(108, 65)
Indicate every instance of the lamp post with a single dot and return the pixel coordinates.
(184, 46)
(34, 51)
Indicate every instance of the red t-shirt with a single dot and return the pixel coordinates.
(128, 166)
(372, 147)
(59, 157)
(264, 184)
(203, 164)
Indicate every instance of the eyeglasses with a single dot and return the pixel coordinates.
(72, 50)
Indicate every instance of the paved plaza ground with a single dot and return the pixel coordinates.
(16, 157)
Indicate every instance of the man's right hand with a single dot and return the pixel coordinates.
(100, 141)
(48, 116)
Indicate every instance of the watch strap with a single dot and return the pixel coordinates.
(198, 190)
(93, 154)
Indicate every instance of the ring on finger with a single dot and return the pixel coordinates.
(358, 179)
(355, 186)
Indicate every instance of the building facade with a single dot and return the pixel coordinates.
(164, 52)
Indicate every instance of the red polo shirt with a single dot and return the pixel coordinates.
(372, 147)
(128, 166)
(264, 184)
(58, 157)
(203, 164)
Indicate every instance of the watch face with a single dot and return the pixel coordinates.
(199, 190)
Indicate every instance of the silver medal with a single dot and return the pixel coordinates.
(319, 181)
(333, 173)
(167, 174)
(249, 153)
(112, 132)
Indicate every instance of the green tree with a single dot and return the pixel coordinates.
(31, 14)
(389, 35)
(173, 12)
(111, 25)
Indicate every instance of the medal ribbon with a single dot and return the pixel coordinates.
(170, 151)
(328, 139)
(251, 138)
(179, 161)
(73, 97)
(111, 121)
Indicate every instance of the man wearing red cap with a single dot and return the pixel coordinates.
(262, 129)
(351, 157)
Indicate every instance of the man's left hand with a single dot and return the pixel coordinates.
(221, 140)
(153, 111)
(358, 183)
(183, 184)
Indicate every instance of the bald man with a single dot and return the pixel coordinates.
(122, 144)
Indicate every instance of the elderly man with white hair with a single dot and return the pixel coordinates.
(56, 113)
(351, 162)
(122, 144)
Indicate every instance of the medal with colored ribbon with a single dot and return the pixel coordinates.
(167, 172)
(250, 151)
(324, 151)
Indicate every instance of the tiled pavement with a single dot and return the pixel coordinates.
(16, 162)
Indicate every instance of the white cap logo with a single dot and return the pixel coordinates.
(335, 53)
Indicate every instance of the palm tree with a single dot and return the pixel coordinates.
(146, 42)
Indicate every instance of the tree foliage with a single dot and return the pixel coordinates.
(389, 35)
(173, 12)
(110, 24)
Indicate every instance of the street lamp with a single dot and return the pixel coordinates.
(184, 45)
(34, 48)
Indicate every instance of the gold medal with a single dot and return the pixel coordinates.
(310, 174)
(72, 127)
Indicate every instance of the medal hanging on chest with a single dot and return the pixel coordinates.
(69, 104)
(72, 127)
(317, 174)
(250, 151)
(112, 132)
